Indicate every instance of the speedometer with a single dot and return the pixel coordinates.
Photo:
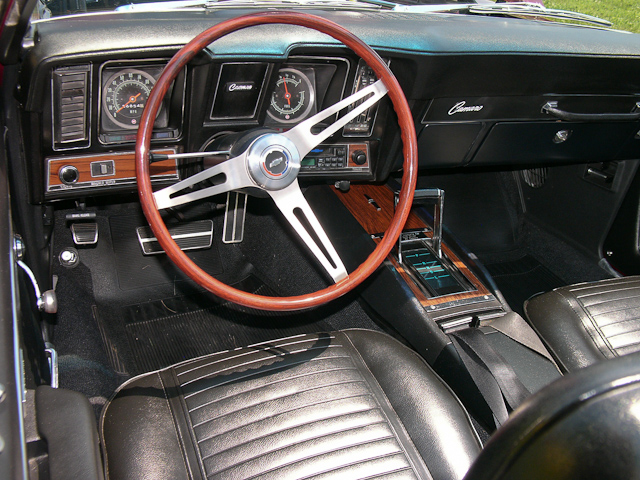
(125, 95)
(293, 96)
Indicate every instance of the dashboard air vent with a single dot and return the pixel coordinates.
(71, 107)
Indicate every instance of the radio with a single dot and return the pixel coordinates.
(351, 157)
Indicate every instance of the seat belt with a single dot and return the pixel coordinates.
(516, 328)
(498, 383)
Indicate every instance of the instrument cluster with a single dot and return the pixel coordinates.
(96, 113)
(293, 98)
(124, 91)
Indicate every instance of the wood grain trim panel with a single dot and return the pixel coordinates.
(354, 147)
(125, 167)
(372, 206)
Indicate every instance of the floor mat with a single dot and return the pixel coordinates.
(152, 335)
(522, 278)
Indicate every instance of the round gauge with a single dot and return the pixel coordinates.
(293, 97)
(125, 95)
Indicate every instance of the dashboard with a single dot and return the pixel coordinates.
(98, 107)
(476, 87)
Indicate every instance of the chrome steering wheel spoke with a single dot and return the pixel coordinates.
(300, 216)
(301, 134)
(271, 163)
(228, 175)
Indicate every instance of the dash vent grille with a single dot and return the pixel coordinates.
(71, 107)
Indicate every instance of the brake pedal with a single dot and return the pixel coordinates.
(84, 233)
(189, 236)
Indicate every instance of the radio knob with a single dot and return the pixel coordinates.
(69, 174)
(359, 157)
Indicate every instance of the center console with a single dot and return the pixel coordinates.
(440, 279)
(440, 299)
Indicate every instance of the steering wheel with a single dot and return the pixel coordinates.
(271, 163)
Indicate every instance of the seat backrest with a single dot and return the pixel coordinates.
(585, 425)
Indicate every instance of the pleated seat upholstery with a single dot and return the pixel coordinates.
(588, 322)
(352, 404)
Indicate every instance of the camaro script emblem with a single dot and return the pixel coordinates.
(460, 108)
(240, 86)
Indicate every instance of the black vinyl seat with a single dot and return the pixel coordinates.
(359, 405)
(351, 404)
(588, 322)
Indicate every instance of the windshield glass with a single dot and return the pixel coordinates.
(623, 14)
(70, 7)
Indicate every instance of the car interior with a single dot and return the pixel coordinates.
(331, 240)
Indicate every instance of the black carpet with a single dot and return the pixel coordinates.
(136, 270)
(522, 278)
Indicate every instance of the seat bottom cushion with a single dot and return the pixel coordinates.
(352, 404)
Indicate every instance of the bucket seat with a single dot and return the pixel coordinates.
(359, 404)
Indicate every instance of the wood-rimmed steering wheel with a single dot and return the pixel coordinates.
(272, 162)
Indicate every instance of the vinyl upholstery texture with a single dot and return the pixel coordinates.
(588, 322)
(352, 404)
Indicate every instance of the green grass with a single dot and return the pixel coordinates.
(624, 14)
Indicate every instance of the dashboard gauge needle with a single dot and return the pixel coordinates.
(131, 100)
(287, 95)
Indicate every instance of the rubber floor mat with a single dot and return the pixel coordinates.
(148, 336)
(522, 278)
(163, 341)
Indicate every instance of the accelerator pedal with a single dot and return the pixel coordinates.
(234, 216)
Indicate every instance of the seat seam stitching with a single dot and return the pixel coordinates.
(212, 375)
(368, 394)
(268, 385)
(230, 358)
(408, 467)
(175, 427)
(306, 424)
(309, 457)
(390, 436)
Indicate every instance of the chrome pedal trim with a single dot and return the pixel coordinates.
(196, 235)
(234, 216)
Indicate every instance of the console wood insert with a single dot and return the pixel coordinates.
(372, 206)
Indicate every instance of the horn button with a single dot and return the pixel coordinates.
(273, 161)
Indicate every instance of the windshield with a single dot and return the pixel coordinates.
(618, 14)
(69, 7)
